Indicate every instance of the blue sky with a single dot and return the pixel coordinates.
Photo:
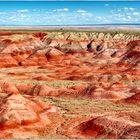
(68, 12)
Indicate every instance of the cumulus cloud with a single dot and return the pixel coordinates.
(64, 16)
(61, 10)
(83, 14)
(125, 15)
(23, 10)
(132, 9)
(99, 17)
(136, 13)
(126, 9)
(129, 8)
(129, 17)
(124, 19)
(81, 11)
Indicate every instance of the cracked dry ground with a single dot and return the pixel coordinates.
(69, 85)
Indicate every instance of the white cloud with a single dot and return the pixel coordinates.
(99, 17)
(125, 15)
(81, 11)
(63, 16)
(125, 8)
(132, 9)
(106, 4)
(124, 19)
(23, 10)
(129, 17)
(65, 9)
(128, 9)
(22, 16)
(83, 14)
(136, 13)
(107, 21)
(61, 10)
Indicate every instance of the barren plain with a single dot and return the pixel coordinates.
(69, 84)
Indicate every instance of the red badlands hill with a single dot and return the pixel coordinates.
(69, 85)
(134, 99)
(27, 116)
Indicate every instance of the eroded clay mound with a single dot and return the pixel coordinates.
(135, 99)
(106, 127)
(23, 117)
(30, 49)
(81, 90)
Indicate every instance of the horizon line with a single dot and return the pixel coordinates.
(79, 24)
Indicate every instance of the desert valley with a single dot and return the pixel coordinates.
(66, 84)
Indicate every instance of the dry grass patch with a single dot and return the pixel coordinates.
(82, 106)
